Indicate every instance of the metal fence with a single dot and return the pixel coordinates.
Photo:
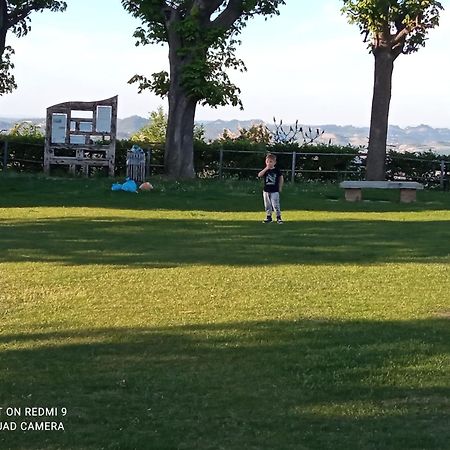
(296, 165)
(294, 169)
(34, 156)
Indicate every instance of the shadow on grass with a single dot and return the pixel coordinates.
(170, 243)
(254, 385)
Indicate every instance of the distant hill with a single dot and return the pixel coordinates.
(4, 125)
(214, 128)
(419, 138)
(128, 126)
(125, 127)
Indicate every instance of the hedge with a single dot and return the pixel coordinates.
(241, 159)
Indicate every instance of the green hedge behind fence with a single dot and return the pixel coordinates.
(241, 159)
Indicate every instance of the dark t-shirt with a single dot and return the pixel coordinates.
(272, 180)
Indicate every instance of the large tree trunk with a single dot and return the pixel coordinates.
(179, 151)
(376, 155)
(3, 26)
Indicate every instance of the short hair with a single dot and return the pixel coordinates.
(271, 156)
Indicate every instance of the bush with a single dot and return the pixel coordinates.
(419, 166)
(25, 153)
(243, 160)
(329, 162)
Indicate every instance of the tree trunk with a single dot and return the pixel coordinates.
(376, 155)
(179, 151)
(3, 26)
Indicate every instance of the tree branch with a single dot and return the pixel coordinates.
(404, 30)
(167, 11)
(229, 15)
(207, 7)
(20, 14)
(400, 37)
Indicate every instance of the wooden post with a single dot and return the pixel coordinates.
(85, 170)
(148, 168)
(442, 176)
(220, 162)
(294, 157)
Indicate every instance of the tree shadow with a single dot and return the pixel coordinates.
(170, 243)
(251, 385)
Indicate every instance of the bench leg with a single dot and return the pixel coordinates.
(353, 195)
(407, 195)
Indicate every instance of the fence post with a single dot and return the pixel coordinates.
(442, 177)
(220, 162)
(5, 155)
(294, 157)
(149, 163)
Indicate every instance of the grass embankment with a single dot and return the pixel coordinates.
(176, 319)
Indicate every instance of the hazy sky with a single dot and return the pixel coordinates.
(307, 64)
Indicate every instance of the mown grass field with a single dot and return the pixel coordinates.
(175, 319)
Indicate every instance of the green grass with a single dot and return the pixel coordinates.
(176, 320)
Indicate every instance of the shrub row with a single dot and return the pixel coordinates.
(241, 159)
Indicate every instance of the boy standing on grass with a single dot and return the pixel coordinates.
(273, 185)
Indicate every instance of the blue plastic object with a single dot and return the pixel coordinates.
(128, 186)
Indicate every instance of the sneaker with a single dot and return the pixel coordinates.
(279, 220)
(268, 219)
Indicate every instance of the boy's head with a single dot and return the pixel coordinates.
(271, 160)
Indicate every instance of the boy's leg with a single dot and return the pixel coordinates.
(267, 203)
(275, 199)
(267, 207)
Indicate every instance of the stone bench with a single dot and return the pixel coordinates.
(407, 189)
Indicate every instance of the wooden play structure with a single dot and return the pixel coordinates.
(81, 135)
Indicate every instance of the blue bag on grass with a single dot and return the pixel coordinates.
(128, 186)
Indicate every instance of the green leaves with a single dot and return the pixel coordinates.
(19, 12)
(26, 129)
(155, 130)
(202, 43)
(151, 13)
(7, 80)
(16, 18)
(159, 83)
(400, 25)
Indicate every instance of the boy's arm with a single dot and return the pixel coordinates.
(263, 172)
(280, 187)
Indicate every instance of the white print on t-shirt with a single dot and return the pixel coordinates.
(271, 179)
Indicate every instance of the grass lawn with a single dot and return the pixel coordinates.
(175, 319)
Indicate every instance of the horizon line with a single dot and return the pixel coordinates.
(23, 118)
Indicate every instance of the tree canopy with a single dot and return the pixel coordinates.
(206, 34)
(400, 25)
(202, 38)
(15, 17)
(390, 27)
